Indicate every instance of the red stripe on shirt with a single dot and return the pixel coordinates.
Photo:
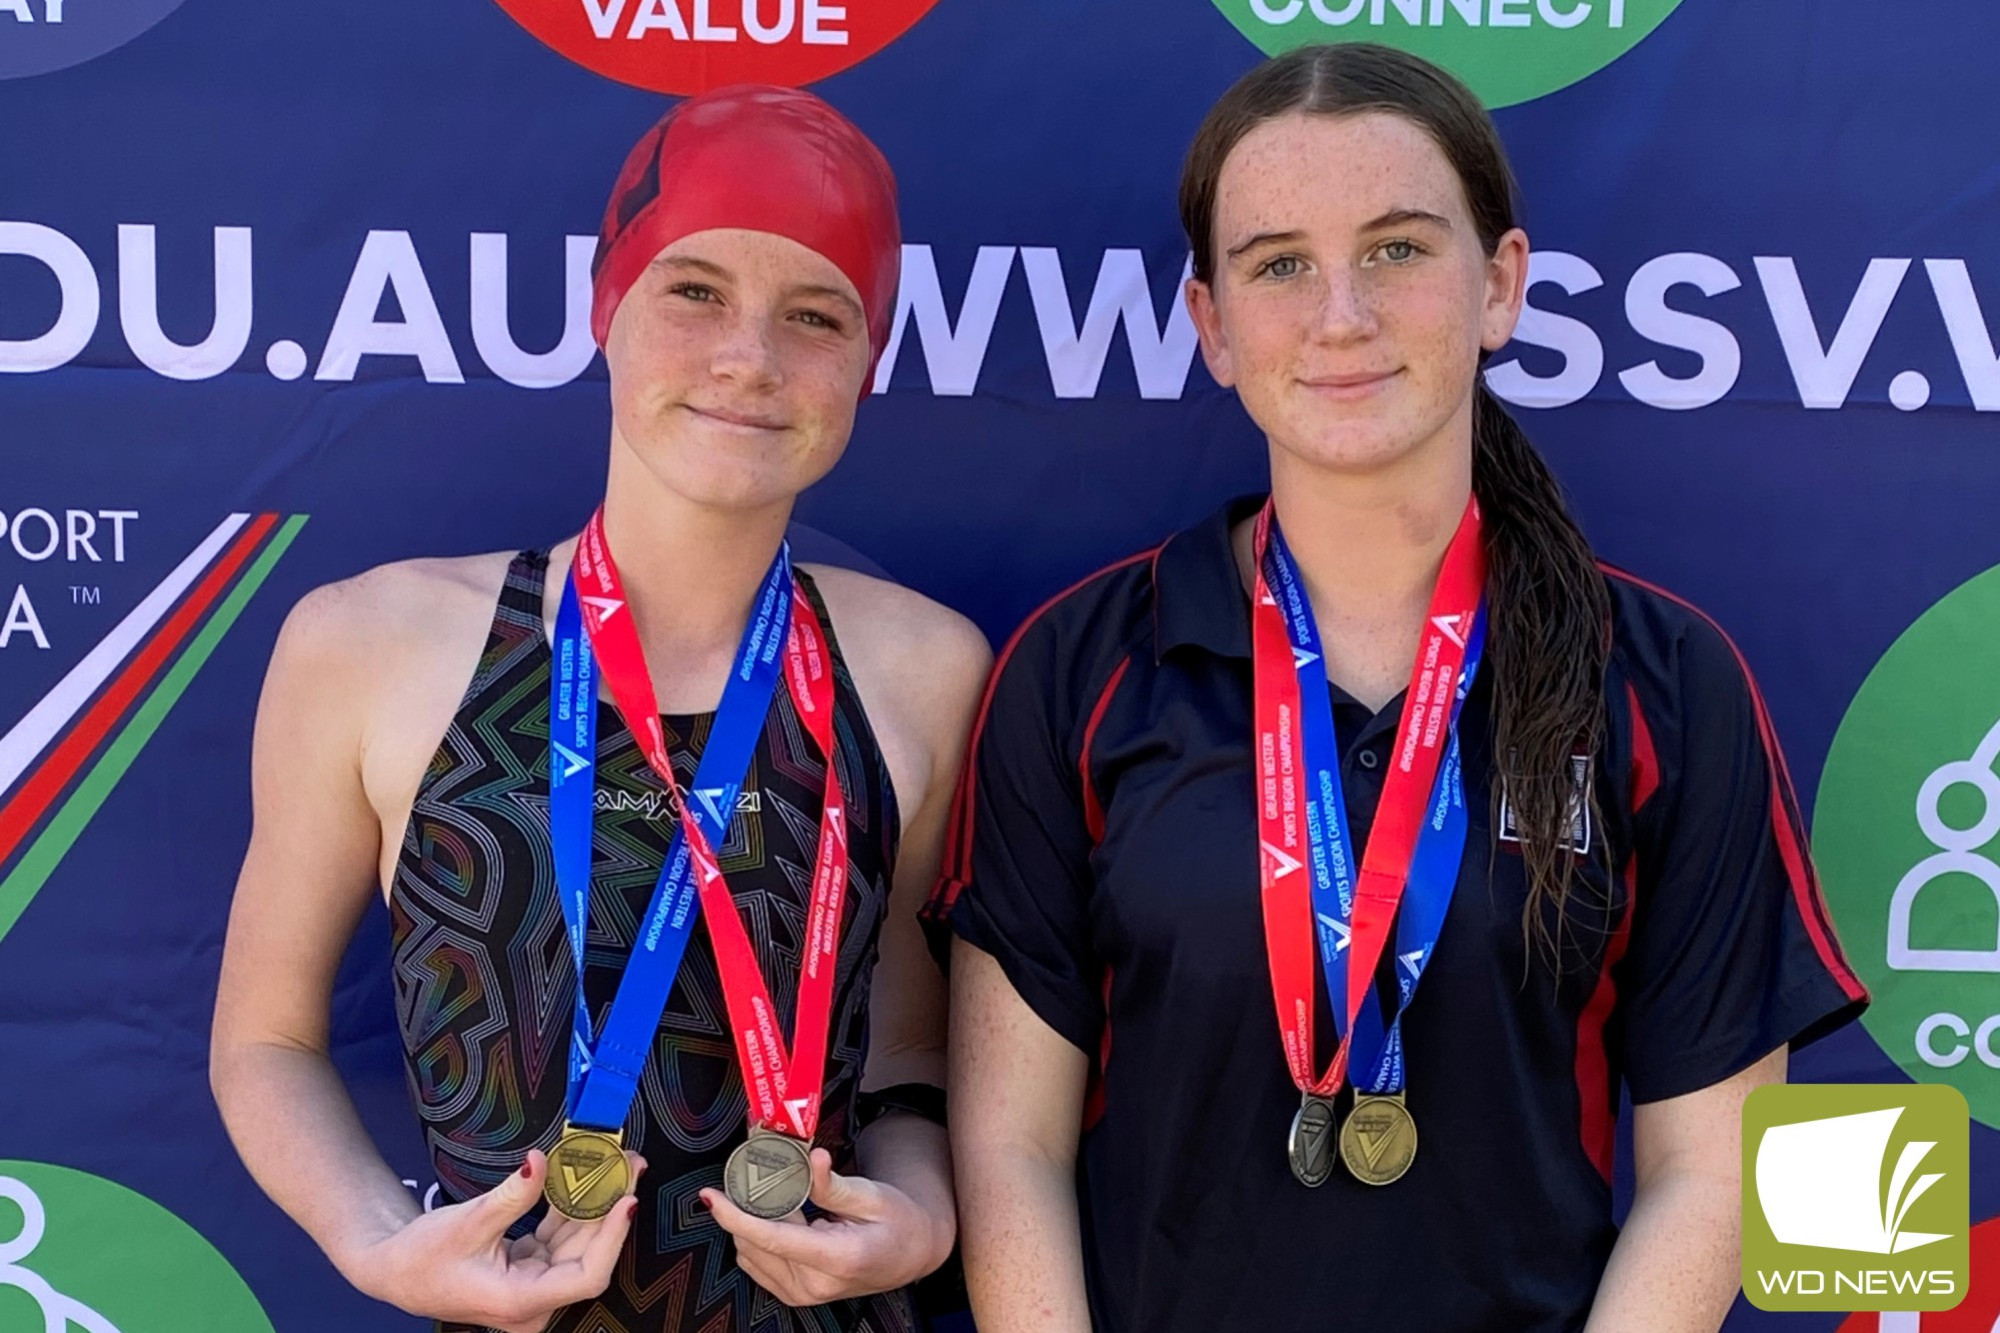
(1645, 760)
(1093, 1096)
(957, 865)
(1784, 819)
(1093, 818)
(1093, 809)
(1596, 1090)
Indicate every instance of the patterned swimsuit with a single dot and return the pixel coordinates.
(484, 978)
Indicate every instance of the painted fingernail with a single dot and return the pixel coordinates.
(527, 1170)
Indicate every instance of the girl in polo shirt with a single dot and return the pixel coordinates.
(1389, 763)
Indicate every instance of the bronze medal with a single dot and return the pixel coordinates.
(769, 1175)
(588, 1173)
(1379, 1139)
(1310, 1144)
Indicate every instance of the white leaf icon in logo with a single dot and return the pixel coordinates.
(1819, 1183)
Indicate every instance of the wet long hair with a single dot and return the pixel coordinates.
(1548, 610)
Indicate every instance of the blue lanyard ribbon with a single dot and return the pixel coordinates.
(1375, 1058)
(604, 1074)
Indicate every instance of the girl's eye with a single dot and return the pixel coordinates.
(1398, 252)
(694, 291)
(1284, 266)
(819, 321)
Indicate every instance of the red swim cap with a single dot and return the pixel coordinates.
(763, 159)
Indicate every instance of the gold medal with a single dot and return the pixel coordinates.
(588, 1173)
(1378, 1140)
(769, 1175)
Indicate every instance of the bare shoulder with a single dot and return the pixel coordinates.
(395, 615)
(369, 669)
(919, 667)
(888, 621)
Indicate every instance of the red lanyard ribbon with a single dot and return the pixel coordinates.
(784, 1088)
(1285, 842)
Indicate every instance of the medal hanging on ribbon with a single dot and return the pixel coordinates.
(1311, 889)
(1378, 1140)
(587, 1170)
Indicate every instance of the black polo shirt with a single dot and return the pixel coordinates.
(1105, 852)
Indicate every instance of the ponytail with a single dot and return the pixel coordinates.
(1549, 618)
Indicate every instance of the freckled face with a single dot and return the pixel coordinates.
(1351, 295)
(736, 365)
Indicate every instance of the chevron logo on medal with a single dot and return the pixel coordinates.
(764, 1179)
(1374, 1139)
(577, 1184)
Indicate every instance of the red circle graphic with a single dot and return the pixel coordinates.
(689, 46)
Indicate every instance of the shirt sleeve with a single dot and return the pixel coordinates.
(1733, 952)
(1017, 878)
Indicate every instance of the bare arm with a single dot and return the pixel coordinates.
(1017, 1093)
(1678, 1261)
(907, 1018)
(306, 880)
(896, 1222)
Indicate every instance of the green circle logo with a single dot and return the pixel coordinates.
(80, 1252)
(1907, 832)
(1508, 51)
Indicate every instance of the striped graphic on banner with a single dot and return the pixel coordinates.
(216, 570)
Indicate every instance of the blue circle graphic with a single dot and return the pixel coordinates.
(40, 36)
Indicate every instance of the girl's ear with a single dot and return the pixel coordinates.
(1506, 290)
(1200, 297)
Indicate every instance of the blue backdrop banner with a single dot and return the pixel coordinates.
(290, 290)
